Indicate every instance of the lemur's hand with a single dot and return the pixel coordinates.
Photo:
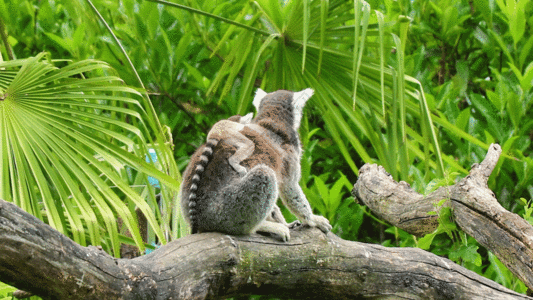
(320, 222)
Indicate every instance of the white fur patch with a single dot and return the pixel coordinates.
(259, 95)
(301, 97)
(247, 118)
(298, 101)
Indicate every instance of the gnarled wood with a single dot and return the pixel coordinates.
(475, 209)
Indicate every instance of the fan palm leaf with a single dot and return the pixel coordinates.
(68, 145)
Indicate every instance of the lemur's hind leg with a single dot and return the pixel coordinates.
(242, 208)
(277, 216)
(245, 148)
(273, 227)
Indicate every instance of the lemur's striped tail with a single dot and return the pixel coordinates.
(200, 167)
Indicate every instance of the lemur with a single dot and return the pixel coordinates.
(216, 196)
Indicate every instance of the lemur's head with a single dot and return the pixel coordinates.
(282, 104)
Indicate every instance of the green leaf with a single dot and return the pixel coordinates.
(324, 6)
(247, 89)
(335, 194)
(61, 42)
(466, 253)
(425, 241)
(502, 45)
(272, 15)
(305, 31)
(496, 100)
(517, 19)
(486, 8)
(502, 274)
(462, 120)
(489, 112)
(324, 195)
(515, 110)
(361, 8)
(449, 19)
(526, 51)
(527, 81)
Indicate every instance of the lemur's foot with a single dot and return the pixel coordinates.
(294, 224)
(320, 222)
(278, 229)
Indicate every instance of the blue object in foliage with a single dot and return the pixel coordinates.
(150, 250)
(152, 180)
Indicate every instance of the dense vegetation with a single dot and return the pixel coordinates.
(420, 87)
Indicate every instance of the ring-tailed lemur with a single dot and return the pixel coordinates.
(216, 197)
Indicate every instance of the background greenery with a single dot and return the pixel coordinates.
(421, 88)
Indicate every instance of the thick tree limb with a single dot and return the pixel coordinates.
(36, 258)
(475, 209)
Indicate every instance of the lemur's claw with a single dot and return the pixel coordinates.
(294, 224)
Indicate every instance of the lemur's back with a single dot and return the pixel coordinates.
(265, 152)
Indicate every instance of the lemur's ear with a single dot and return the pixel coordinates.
(298, 101)
(247, 118)
(259, 95)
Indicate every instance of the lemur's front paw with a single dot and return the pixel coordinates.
(320, 222)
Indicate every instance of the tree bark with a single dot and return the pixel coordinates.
(475, 210)
(36, 258)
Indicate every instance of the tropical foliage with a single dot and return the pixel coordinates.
(5, 290)
(421, 88)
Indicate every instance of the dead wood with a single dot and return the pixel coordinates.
(36, 258)
(475, 210)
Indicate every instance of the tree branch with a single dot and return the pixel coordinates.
(475, 209)
(36, 258)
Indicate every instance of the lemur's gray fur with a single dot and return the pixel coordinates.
(217, 196)
(224, 129)
(229, 130)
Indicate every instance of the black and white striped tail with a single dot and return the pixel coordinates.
(200, 167)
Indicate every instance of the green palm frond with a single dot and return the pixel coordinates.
(338, 48)
(69, 149)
